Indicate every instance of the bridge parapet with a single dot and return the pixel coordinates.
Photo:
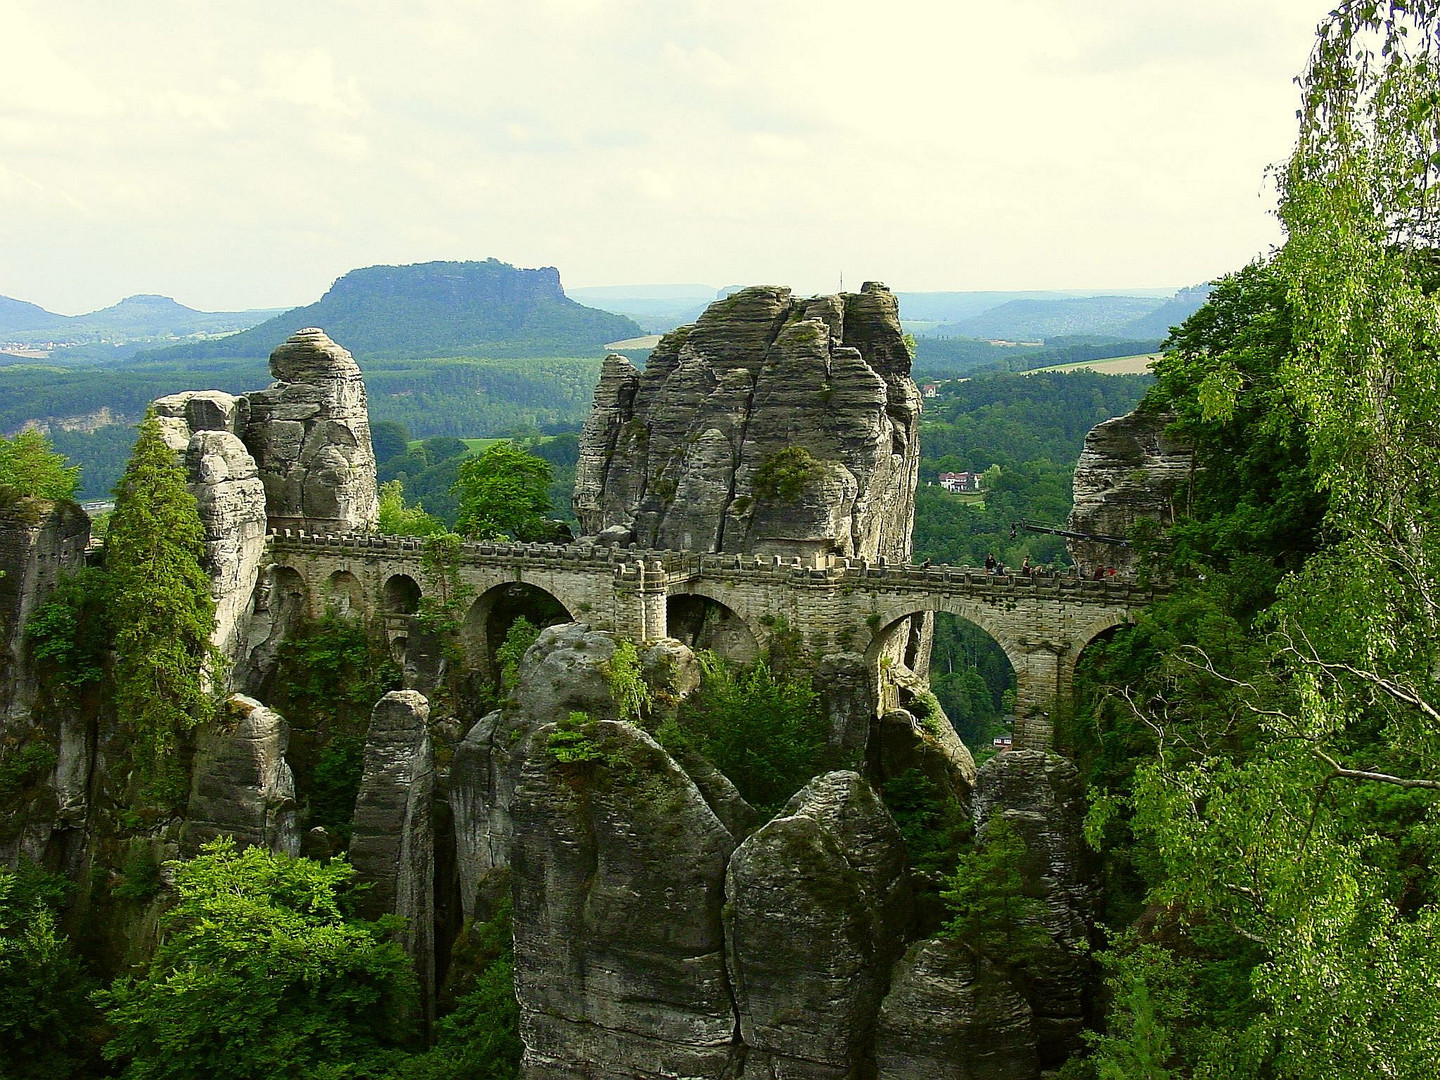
(679, 566)
(1042, 621)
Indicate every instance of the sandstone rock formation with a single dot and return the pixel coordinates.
(1129, 471)
(392, 846)
(308, 433)
(563, 672)
(619, 871)
(310, 436)
(1043, 798)
(240, 783)
(950, 1014)
(899, 742)
(772, 424)
(39, 541)
(817, 904)
(231, 501)
(296, 455)
(182, 415)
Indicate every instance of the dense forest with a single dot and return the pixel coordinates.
(458, 396)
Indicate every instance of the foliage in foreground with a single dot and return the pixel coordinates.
(30, 468)
(1282, 787)
(153, 555)
(763, 730)
(261, 973)
(47, 1025)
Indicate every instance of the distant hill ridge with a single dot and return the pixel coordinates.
(139, 317)
(435, 309)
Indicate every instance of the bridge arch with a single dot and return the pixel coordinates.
(401, 595)
(344, 594)
(886, 620)
(492, 614)
(286, 593)
(903, 642)
(704, 621)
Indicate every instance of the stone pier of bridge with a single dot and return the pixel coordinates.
(836, 605)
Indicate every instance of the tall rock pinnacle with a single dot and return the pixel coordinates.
(772, 424)
(310, 435)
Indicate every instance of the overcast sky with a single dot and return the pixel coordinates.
(246, 154)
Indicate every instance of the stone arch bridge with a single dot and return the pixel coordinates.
(840, 605)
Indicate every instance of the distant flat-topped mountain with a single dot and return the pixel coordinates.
(436, 309)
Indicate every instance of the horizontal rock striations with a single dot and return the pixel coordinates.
(951, 1014)
(1129, 471)
(773, 424)
(310, 435)
(295, 455)
(818, 902)
(240, 783)
(619, 871)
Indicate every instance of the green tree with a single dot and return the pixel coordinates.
(990, 908)
(1310, 837)
(502, 494)
(397, 519)
(260, 973)
(164, 614)
(46, 1020)
(388, 439)
(29, 468)
(765, 731)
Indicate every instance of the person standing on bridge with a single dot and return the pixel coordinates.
(990, 563)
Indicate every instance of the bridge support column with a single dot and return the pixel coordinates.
(640, 611)
(1042, 678)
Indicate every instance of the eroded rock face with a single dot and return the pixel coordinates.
(951, 1014)
(563, 672)
(818, 901)
(241, 785)
(1129, 470)
(1043, 798)
(231, 502)
(619, 871)
(310, 436)
(39, 541)
(182, 415)
(815, 393)
(899, 742)
(392, 846)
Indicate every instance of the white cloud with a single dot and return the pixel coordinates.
(247, 156)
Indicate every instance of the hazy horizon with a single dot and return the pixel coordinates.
(245, 158)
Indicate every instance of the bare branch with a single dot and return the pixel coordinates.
(1380, 778)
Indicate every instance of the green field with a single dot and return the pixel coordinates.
(1138, 364)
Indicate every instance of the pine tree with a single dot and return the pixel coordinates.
(163, 611)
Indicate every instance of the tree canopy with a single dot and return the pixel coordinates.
(30, 468)
(260, 972)
(164, 613)
(1284, 801)
(503, 493)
